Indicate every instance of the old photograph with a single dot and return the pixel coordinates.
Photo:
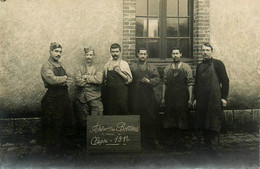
(129, 84)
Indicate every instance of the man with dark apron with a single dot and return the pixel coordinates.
(117, 75)
(57, 116)
(142, 99)
(177, 96)
(210, 93)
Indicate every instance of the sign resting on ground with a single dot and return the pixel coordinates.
(113, 133)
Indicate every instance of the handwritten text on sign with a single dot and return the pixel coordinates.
(113, 133)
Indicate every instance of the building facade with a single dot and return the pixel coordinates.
(28, 29)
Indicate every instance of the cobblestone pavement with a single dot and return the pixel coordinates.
(237, 150)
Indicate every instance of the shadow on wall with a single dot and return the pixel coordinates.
(244, 99)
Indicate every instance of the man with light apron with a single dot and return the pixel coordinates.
(142, 98)
(57, 115)
(177, 96)
(210, 93)
(117, 75)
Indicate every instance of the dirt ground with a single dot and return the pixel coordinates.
(239, 150)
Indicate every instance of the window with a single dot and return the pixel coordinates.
(163, 24)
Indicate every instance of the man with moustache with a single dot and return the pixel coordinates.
(117, 75)
(142, 98)
(210, 94)
(88, 95)
(177, 95)
(57, 116)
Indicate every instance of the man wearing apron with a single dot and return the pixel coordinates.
(142, 99)
(210, 93)
(57, 116)
(177, 96)
(117, 75)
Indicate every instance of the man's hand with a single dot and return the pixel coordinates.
(224, 102)
(117, 69)
(145, 80)
(85, 77)
(194, 104)
(69, 80)
(163, 102)
(189, 103)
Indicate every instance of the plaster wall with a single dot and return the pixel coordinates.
(235, 34)
(27, 29)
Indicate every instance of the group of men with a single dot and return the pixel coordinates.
(128, 90)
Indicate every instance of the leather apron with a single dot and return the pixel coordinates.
(142, 98)
(209, 109)
(116, 94)
(57, 115)
(176, 100)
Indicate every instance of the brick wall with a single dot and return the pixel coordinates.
(129, 8)
(201, 26)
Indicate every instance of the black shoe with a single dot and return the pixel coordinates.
(157, 145)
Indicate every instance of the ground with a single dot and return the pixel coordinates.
(237, 150)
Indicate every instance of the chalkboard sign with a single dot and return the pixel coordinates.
(113, 133)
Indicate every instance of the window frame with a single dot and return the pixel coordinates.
(162, 32)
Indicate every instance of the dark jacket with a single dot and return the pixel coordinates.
(221, 74)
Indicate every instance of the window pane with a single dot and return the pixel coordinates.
(141, 8)
(183, 10)
(153, 27)
(153, 7)
(172, 27)
(172, 8)
(184, 45)
(170, 44)
(184, 27)
(141, 27)
(140, 43)
(153, 48)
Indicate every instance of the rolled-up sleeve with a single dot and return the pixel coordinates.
(126, 70)
(189, 75)
(49, 76)
(165, 71)
(155, 78)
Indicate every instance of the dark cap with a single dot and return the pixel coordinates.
(54, 45)
(88, 49)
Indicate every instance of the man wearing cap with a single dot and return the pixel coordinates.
(142, 98)
(117, 75)
(88, 95)
(177, 96)
(210, 94)
(57, 116)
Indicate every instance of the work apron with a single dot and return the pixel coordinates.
(142, 102)
(116, 94)
(176, 100)
(57, 114)
(142, 98)
(209, 108)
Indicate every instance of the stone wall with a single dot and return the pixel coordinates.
(23, 135)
